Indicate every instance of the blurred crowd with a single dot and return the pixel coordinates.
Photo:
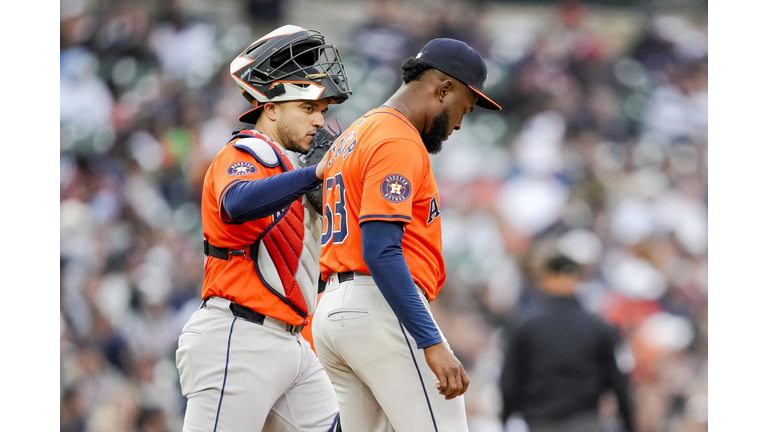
(599, 154)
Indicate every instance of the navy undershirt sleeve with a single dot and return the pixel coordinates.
(254, 199)
(383, 254)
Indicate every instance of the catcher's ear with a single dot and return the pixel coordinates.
(270, 110)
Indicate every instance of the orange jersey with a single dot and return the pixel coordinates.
(285, 289)
(380, 171)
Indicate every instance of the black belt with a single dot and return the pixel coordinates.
(350, 275)
(346, 276)
(343, 277)
(251, 315)
(225, 253)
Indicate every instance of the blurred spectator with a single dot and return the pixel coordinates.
(73, 410)
(151, 420)
(86, 103)
(265, 10)
(185, 47)
(561, 359)
(381, 41)
(678, 108)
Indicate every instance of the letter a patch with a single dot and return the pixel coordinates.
(434, 210)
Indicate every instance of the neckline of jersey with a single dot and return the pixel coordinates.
(388, 110)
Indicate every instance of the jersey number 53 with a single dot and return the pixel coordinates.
(334, 195)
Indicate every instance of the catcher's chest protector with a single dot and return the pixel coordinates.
(285, 255)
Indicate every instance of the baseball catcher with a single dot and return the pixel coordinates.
(243, 360)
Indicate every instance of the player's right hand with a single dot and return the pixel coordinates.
(452, 380)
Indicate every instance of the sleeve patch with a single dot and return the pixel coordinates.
(241, 169)
(434, 210)
(395, 188)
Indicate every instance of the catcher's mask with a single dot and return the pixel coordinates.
(289, 63)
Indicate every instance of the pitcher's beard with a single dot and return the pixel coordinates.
(433, 139)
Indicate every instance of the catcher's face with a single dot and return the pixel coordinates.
(298, 122)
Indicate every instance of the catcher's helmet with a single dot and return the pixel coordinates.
(289, 63)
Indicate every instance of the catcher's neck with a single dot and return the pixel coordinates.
(266, 127)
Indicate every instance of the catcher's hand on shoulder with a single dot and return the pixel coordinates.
(321, 166)
(318, 156)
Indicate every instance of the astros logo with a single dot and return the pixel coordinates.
(395, 188)
(241, 168)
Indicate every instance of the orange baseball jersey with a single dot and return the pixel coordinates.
(380, 171)
(277, 274)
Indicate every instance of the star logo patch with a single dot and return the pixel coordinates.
(241, 168)
(395, 188)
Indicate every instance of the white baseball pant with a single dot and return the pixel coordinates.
(382, 380)
(239, 376)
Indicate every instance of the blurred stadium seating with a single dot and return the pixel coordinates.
(600, 152)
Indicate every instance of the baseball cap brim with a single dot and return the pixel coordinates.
(252, 115)
(484, 101)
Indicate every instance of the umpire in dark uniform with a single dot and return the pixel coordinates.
(561, 359)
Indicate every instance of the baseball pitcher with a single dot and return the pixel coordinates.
(382, 253)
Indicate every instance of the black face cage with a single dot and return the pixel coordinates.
(306, 59)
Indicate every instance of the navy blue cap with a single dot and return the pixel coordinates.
(562, 264)
(461, 61)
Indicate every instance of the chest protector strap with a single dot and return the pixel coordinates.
(285, 255)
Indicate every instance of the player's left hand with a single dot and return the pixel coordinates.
(452, 380)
